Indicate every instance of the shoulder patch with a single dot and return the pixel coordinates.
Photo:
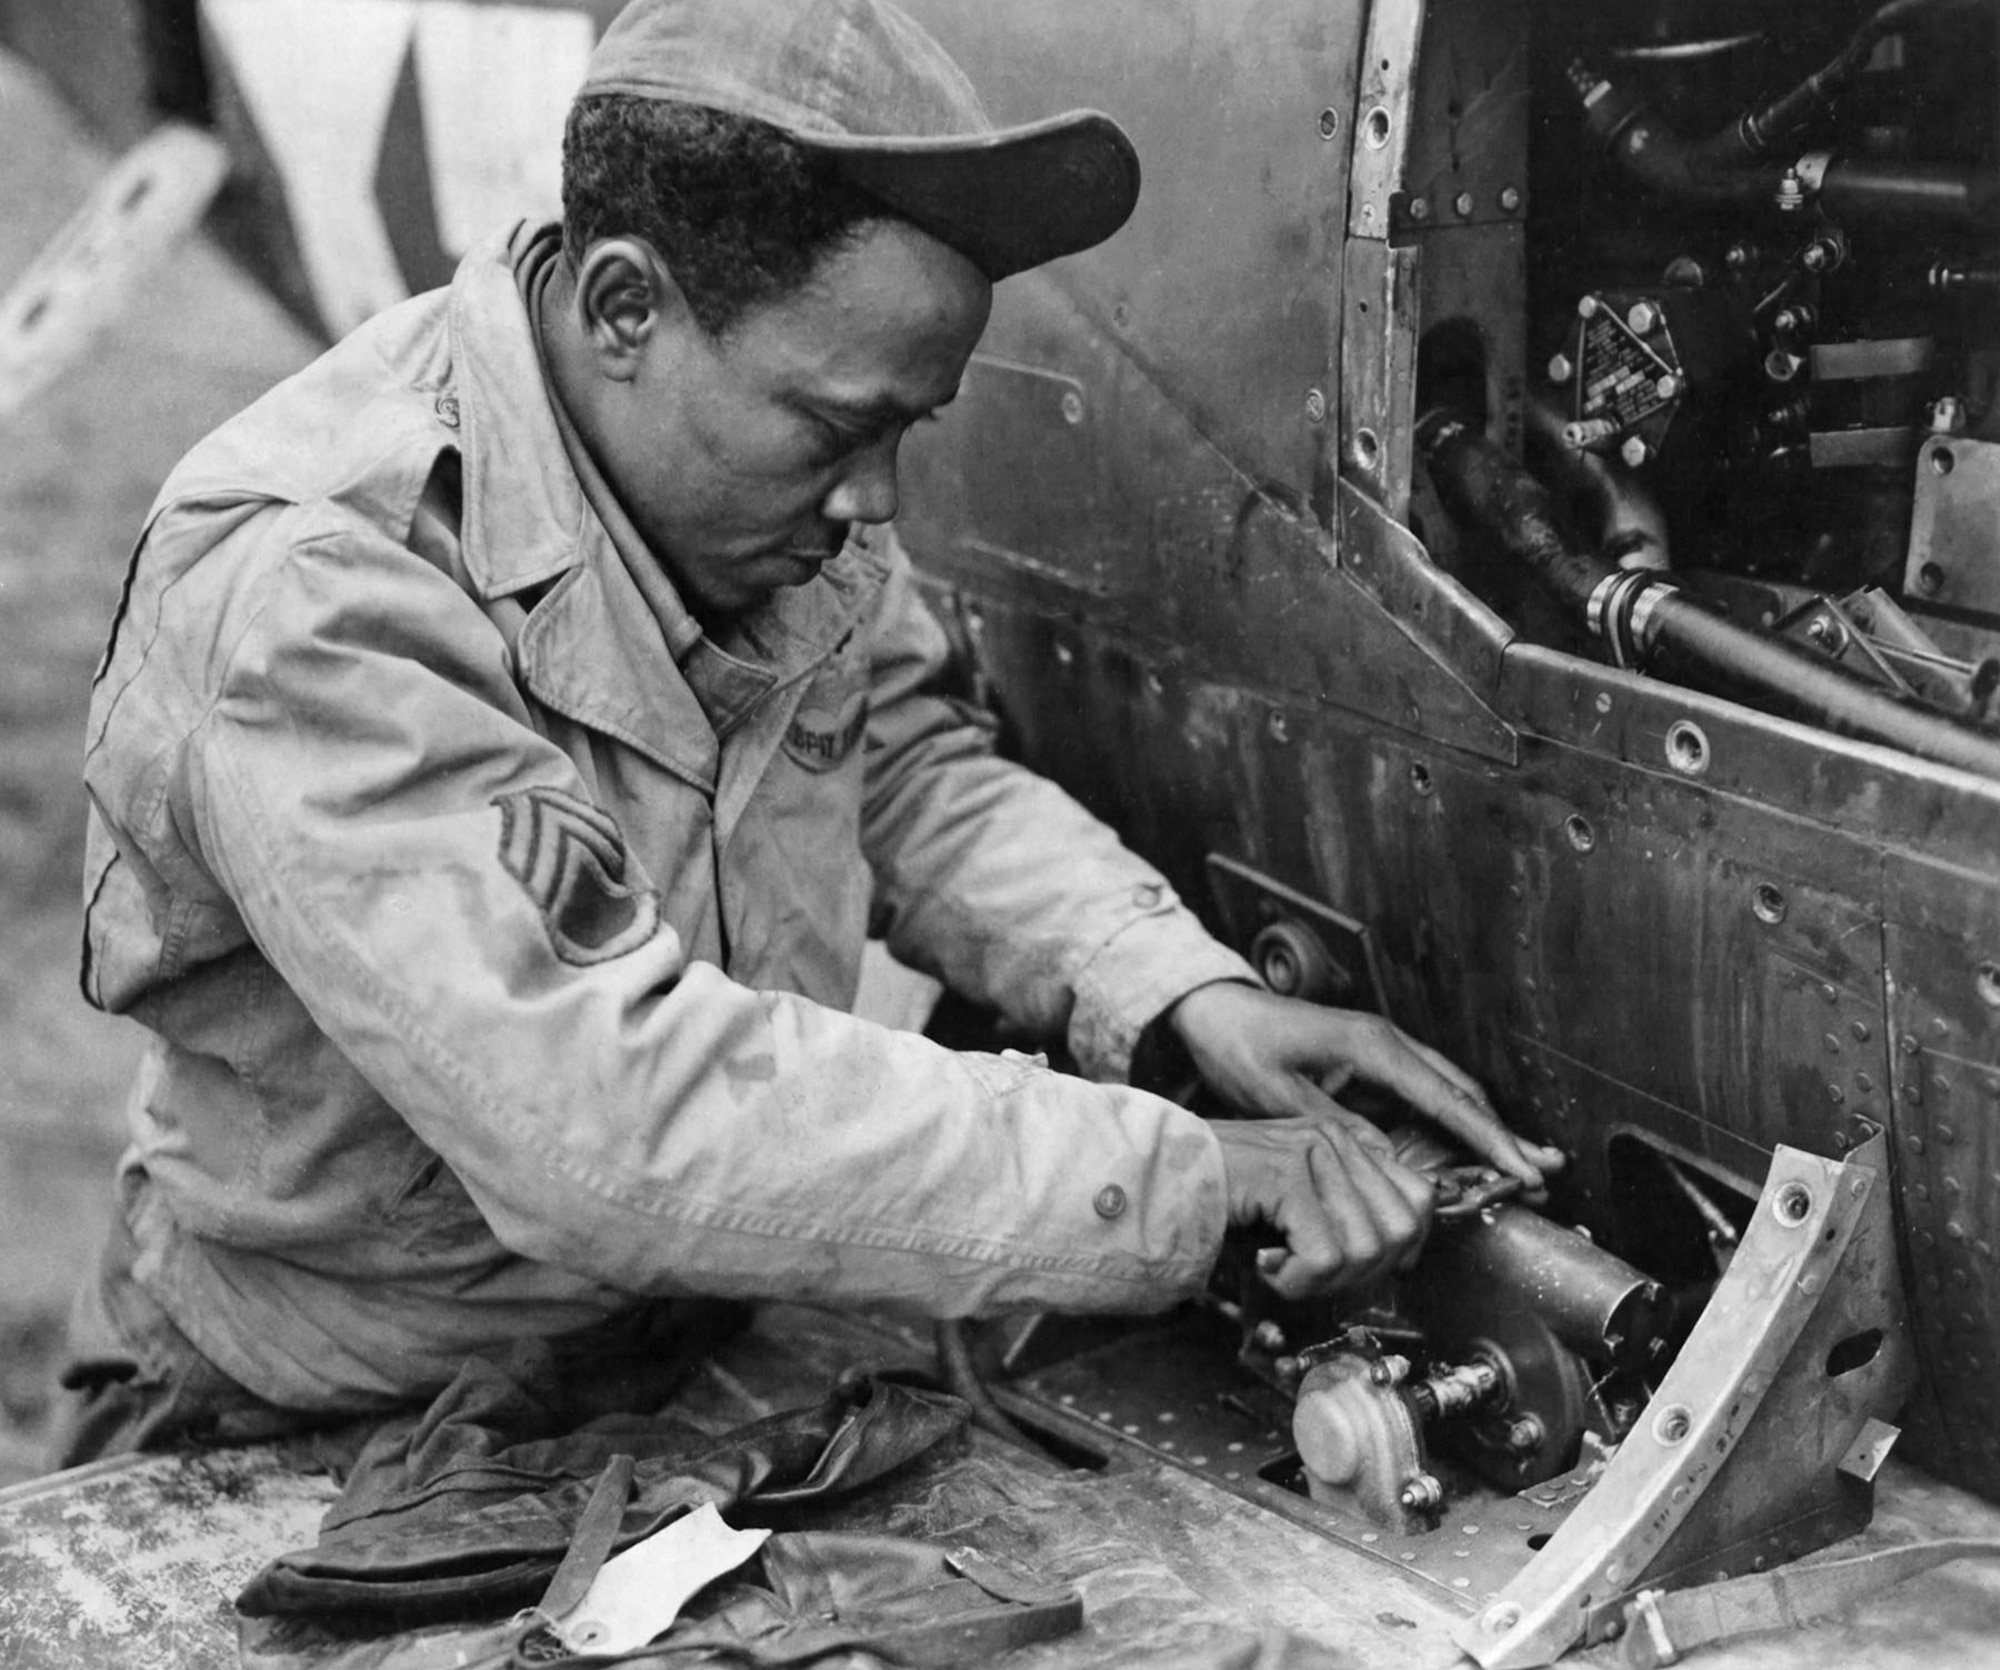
(820, 737)
(570, 858)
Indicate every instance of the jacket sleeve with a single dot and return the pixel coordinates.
(997, 881)
(427, 874)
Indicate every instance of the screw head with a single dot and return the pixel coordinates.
(1560, 368)
(1315, 406)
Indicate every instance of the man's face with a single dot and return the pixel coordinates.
(744, 458)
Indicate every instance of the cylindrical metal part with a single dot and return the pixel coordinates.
(1592, 1300)
(1864, 188)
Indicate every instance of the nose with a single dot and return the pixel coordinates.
(866, 491)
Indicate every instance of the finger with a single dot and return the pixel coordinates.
(1448, 1069)
(1386, 1205)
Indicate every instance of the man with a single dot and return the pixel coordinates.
(513, 724)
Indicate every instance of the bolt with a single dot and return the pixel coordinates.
(1560, 369)
(1667, 387)
(1642, 318)
(1526, 1433)
(1739, 256)
(1947, 416)
(1502, 1618)
(1462, 205)
(1791, 193)
(1422, 1494)
(1634, 451)
(1586, 307)
(1510, 199)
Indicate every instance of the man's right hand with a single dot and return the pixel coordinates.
(1332, 1189)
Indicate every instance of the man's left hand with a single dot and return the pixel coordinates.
(1277, 1057)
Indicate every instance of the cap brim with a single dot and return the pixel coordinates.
(1007, 200)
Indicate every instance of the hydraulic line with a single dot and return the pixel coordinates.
(1641, 616)
(1736, 166)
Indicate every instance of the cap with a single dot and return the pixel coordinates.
(862, 84)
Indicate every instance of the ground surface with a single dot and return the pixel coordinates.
(77, 471)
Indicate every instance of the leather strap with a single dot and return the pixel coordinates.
(591, 1544)
(1660, 1625)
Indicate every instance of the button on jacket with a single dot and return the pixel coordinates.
(496, 926)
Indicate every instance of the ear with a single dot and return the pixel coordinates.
(624, 296)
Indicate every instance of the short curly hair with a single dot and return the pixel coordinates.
(740, 212)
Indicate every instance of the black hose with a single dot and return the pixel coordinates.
(962, 1380)
(1640, 615)
(1730, 166)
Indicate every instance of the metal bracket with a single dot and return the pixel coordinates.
(1737, 1459)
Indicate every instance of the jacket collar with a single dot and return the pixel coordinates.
(592, 647)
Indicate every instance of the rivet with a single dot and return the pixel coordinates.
(1908, 1043)
(1420, 208)
(1921, 1191)
(1462, 203)
(1510, 199)
(1915, 1144)
(1864, 1082)
(1315, 405)
(1860, 1031)
(1835, 1094)
(1072, 406)
(1829, 994)
(1956, 1231)
(1941, 1084)
(1952, 1186)
(1940, 1027)
(1832, 1044)
(1944, 1132)
(1925, 1238)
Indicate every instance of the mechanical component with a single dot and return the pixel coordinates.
(1953, 558)
(1746, 1443)
(1638, 616)
(1360, 1439)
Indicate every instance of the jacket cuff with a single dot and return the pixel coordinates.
(1154, 961)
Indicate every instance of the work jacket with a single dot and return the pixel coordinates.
(497, 947)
